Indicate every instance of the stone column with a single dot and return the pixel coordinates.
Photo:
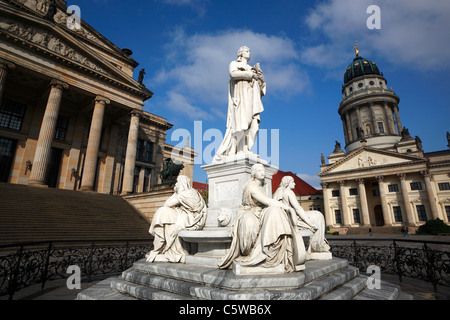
(344, 207)
(344, 125)
(397, 120)
(376, 130)
(360, 124)
(389, 118)
(349, 127)
(5, 67)
(363, 201)
(130, 158)
(329, 221)
(384, 204)
(404, 186)
(430, 193)
(46, 134)
(95, 134)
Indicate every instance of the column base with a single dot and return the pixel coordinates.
(87, 189)
(37, 184)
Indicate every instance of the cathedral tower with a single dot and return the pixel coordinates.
(369, 110)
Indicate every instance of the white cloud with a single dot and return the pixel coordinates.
(198, 65)
(312, 180)
(413, 32)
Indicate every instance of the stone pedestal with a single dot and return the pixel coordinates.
(226, 182)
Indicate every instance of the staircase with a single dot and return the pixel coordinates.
(321, 280)
(29, 214)
(364, 231)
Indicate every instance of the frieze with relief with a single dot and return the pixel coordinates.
(41, 6)
(47, 41)
(367, 160)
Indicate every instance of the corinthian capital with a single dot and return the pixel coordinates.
(101, 99)
(61, 85)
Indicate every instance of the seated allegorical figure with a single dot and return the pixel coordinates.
(304, 220)
(184, 210)
(262, 235)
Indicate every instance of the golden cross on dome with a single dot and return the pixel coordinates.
(356, 48)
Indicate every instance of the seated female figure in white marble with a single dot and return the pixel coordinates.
(184, 210)
(304, 220)
(262, 233)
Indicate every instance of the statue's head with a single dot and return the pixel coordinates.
(258, 171)
(286, 181)
(242, 50)
(183, 183)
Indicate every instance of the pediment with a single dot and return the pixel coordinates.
(78, 52)
(369, 158)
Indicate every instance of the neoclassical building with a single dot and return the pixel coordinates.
(71, 113)
(383, 178)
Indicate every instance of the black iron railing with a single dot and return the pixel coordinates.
(424, 260)
(26, 264)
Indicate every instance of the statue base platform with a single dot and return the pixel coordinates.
(331, 279)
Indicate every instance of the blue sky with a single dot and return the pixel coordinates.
(303, 47)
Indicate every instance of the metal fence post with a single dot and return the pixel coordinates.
(47, 262)
(398, 267)
(13, 282)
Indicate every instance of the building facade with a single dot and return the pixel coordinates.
(308, 197)
(71, 113)
(383, 178)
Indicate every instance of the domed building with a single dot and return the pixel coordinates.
(383, 178)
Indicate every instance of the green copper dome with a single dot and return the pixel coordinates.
(360, 67)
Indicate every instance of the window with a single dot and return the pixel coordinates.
(61, 128)
(393, 188)
(338, 216)
(416, 186)
(371, 83)
(335, 193)
(381, 127)
(360, 85)
(376, 192)
(353, 191)
(421, 213)
(314, 207)
(144, 151)
(139, 149)
(11, 115)
(444, 186)
(447, 211)
(356, 216)
(398, 214)
(149, 152)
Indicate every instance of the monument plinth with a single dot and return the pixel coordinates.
(226, 181)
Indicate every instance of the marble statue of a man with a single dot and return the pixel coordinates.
(184, 210)
(246, 88)
(262, 235)
(303, 220)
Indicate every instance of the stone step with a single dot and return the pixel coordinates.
(324, 280)
(102, 291)
(387, 291)
(212, 284)
(226, 279)
(347, 290)
(144, 292)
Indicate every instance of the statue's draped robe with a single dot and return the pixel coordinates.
(244, 108)
(190, 214)
(317, 242)
(262, 236)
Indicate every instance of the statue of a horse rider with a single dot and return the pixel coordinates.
(170, 171)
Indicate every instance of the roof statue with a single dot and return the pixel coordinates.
(356, 48)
